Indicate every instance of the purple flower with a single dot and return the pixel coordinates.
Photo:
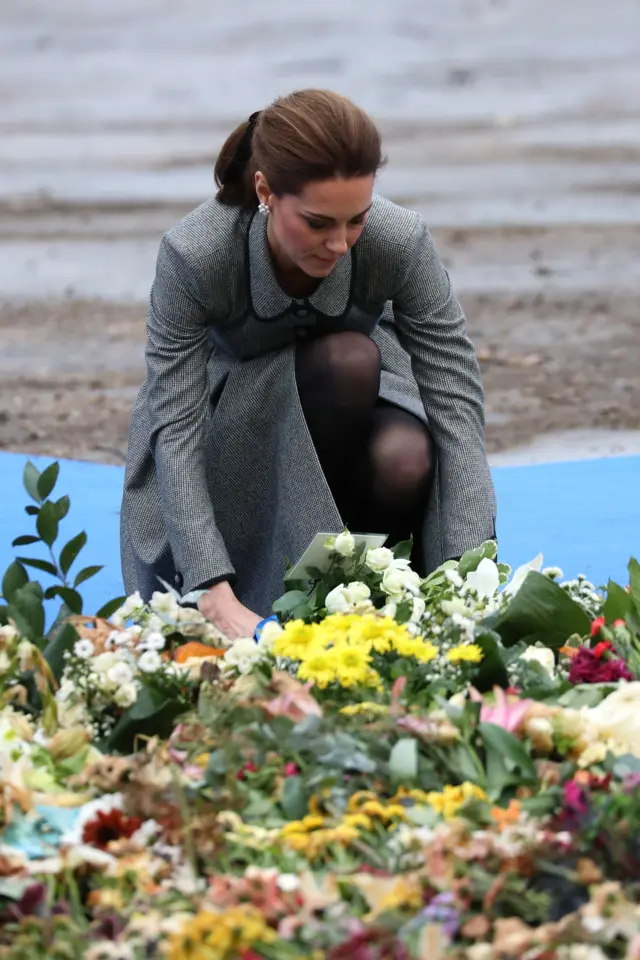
(442, 910)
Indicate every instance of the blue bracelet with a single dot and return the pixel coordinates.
(258, 631)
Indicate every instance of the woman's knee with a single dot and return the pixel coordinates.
(348, 362)
(403, 459)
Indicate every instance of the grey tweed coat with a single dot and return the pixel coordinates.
(222, 476)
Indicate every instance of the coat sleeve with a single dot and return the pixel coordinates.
(178, 397)
(432, 328)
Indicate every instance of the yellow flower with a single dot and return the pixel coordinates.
(366, 707)
(352, 663)
(319, 667)
(294, 640)
(358, 820)
(406, 893)
(220, 936)
(465, 653)
(417, 648)
(452, 798)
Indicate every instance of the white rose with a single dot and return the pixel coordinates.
(542, 655)
(389, 610)
(618, 717)
(337, 601)
(120, 673)
(126, 695)
(357, 592)
(288, 882)
(344, 544)
(379, 558)
(418, 611)
(270, 632)
(396, 581)
(150, 661)
(8, 632)
(243, 654)
(152, 640)
(164, 604)
(131, 605)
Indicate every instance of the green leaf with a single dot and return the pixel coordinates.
(25, 541)
(471, 560)
(618, 604)
(85, 574)
(45, 565)
(71, 597)
(47, 480)
(62, 507)
(30, 478)
(47, 523)
(294, 800)
(70, 551)
(151, 715)
(32, 511)
(63, 640)
(509, 749)
(403, 760)
(491, 670)
(634, 583)
(540, 610)
(315, 573)
(403, 550)
(110, 607)
(289, 601)
(27, 611)
(15, 577)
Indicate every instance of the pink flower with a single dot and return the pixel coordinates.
(506, 712)
(291, 770)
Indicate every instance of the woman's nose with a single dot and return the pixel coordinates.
(338, 244)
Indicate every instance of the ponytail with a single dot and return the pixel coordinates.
(233, 174)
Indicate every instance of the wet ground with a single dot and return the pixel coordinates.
(513, 126)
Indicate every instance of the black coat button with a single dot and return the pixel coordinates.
(179, 581)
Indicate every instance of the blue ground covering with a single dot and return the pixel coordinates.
(584, 516)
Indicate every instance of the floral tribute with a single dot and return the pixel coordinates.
(400, 767)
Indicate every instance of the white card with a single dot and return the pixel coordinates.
(317, 555)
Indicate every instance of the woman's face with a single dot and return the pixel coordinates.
(312, 230)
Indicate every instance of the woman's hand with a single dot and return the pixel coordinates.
(221, 606)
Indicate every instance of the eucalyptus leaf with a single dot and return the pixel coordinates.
(403, 761)
(25, 541)
(62, 507)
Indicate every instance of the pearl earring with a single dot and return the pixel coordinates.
(264, 209)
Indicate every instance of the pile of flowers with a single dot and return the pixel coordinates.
(400, 768)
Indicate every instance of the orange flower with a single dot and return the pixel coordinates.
(195, 649)
(568, 651)
(504, 818)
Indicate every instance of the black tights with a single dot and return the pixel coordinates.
(377, 458)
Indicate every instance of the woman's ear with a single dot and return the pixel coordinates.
(262, 188)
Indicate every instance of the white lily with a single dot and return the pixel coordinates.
(485, 580)
(521, 574)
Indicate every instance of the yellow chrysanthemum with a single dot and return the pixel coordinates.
(294, 639)
(351, 663)
(465, 653)
(220, 936)
(448, 802)
(319, 667)
(416, 647)
(364, 708)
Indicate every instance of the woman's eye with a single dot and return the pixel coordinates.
(316, 224)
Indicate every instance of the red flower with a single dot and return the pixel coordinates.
(601, 648)
(114, 825)
(291, 770)
(247, 768)
(619, 623)
(597, 626)
(587, 667)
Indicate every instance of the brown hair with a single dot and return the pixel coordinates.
(306, 136)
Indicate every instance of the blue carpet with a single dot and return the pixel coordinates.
(583, 516)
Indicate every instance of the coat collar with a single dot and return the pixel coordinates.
(267, 299)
